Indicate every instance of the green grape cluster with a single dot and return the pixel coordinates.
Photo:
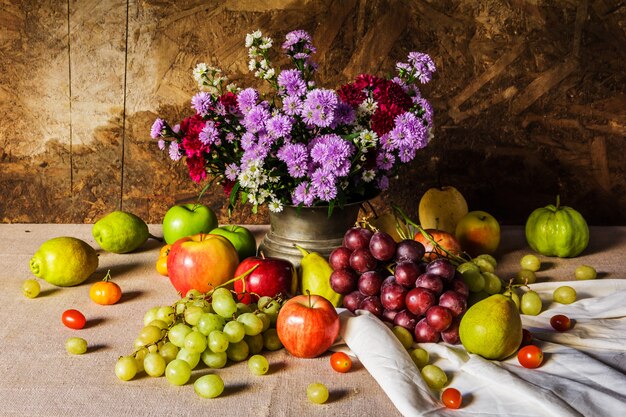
(480, 277)
(210, 329)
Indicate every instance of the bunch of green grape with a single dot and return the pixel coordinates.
(480, 278)
(210, 328)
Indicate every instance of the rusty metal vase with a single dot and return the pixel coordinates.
(308, 227)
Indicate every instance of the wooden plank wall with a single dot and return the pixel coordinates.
(529, 97)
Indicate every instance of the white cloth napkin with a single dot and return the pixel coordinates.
(582, 373)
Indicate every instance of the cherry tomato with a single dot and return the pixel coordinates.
(340, 362)
(73, 319)
(165, 250)
(105, 292)
(161, 265)
(530, 356)
(451, 398)
(561, 322)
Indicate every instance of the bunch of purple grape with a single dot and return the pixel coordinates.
(392, 281)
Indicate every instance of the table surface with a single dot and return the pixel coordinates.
(40, 378)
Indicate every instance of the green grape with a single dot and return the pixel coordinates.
(267, 322)
(530, 303)
(585, 272)
(154, 348)
(484, 265)
(234, 331)
(512, 294)
(488, 258)
(31, 288)
(126, 368)
(192, 358)
(317, 393)
(564, 294)
(193, 293)
(258, 364)
(158, 323)
(167, 314)
(270, 307)
(209, 386)
(209, 322)
(150, 316)
(420, 357)
(138, 343)
(195, 342)
(76, 345)
(225, 306)
(218, 341)
(178, 372)
(255, 343)
(222, 292)
(493, 284)
(525, 276)
(252, 325)
(237, 352)
(434, 376)
(271, 341)
(243, 308)
(193, 314)
(154, 364)
(150, 334)
(139, 356)
(404, 336)
(169, 351)
(214, 360)
(530, 262)
(177, 334)
(471, 275)
(202, 303)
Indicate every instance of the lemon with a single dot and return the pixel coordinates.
(64, 261)
(120, 232)
(492, 328)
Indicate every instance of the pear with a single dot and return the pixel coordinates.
(64, 261)
(120, 232)
(492, 328)
(315, 274)
(442, 208)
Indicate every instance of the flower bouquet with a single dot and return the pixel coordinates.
(303, 144)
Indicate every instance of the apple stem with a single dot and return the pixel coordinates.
(308, 293)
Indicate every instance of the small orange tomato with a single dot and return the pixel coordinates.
(165, 250)
(340, 362)
(105, 292)
(161, 265)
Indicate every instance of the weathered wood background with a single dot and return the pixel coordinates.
(529, 97)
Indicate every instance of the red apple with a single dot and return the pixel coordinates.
(443, 239)
(307, 325)
(201, 262)
(271, 277)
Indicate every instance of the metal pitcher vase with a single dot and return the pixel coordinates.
(309, 227)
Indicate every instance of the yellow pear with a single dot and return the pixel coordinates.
(441, 208)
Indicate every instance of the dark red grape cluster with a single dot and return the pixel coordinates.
(393, 281)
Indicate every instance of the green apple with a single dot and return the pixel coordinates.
(186, 220)
(242, 239)
(478, 232)
(441, 208)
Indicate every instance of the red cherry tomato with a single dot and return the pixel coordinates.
(530, 356)
(340, 362)
(451, 398)
(561, 322)
(73, 319)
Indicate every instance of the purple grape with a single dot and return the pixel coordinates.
(456, 302)
(406, 319)
(343, 281)
(369, 283)
(451, 334)
(357, 238)
(389, 315)
(430, 281)
(425, 333)
(442, 268)
(406, 273)
(361, 260)
(373, 305)
(382, 246)
(460, 286)
(392, 296)
(409, 250)
(439, 318)
(353, 300)
(419, 300)
(339, 258)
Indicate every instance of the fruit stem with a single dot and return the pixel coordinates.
(303, 251)
(157, 238)
(558, 201)
(107, 277)
(242, 276)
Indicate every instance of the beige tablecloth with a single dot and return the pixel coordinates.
(37, 376)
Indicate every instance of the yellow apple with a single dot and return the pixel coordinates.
(478, 232)
(441, 208)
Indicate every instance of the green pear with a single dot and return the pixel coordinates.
(120, 232)
(492, 328)
(315, 274)
(64, 261)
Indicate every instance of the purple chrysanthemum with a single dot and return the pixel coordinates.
(294, 155)
(279, 126)
(231, 171)
(291, 82)
(157, 128)
(344, 114)
(385, 161)
(302, 195)
(292, 105)
(247, 140)
(255, 120)
(161, 144)
(209, 134)
(296, 37)
(423, 66)
(319, 106)
(174, 151)
(201, 102)
(247, 99)
(332, 153)
(323, 185)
